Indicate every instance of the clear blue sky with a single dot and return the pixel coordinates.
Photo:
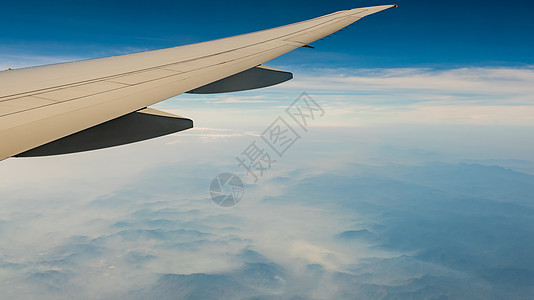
(418, 33)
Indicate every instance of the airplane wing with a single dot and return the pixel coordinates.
(92, 104)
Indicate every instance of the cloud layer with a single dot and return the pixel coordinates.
(373, 220)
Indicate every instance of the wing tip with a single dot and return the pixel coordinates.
(374, 9)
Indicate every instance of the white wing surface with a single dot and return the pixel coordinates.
(44, 104)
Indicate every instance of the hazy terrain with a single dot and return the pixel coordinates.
(370, 222)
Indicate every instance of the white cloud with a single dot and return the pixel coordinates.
(506, 86)
(358, 97)
(482, 96)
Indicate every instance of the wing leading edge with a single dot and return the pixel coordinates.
(43, 104)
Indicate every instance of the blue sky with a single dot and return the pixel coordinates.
(416, 183)
(435, 34)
